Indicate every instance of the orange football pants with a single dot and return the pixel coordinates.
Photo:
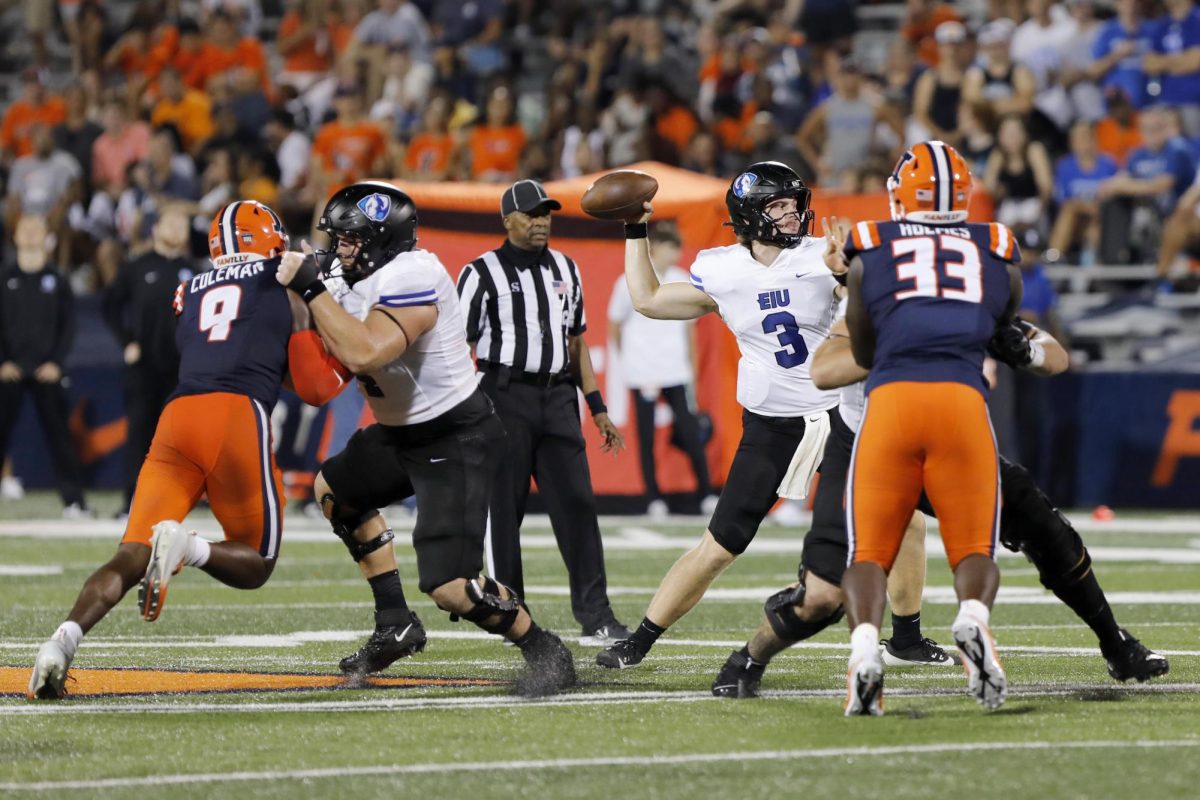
(931, 436)
(218, 443)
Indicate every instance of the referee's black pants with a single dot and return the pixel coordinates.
(147, 388)
(50, 401)
(545, 441)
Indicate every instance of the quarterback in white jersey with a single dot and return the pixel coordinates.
(775, 290)
(390, 313)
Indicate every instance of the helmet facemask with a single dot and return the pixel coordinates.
(768, 228)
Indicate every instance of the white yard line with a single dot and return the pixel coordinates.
(383, 702)
(300, 638)
(29, 570)
(396, 770)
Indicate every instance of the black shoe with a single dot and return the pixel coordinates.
(604, 635)
(550, 666)
(925, 653)
(1132, 659)
(739, 678)
(386, 645)
(621, 655)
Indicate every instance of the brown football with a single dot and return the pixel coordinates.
(619, 195)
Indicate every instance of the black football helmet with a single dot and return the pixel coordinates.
(378, 216)
(757, 187)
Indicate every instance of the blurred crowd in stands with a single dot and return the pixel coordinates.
(1081, 118)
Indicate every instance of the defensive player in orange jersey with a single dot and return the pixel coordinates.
(239, 334)
(927, 292)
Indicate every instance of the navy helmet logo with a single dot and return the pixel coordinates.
(375, 206)
(743, 184)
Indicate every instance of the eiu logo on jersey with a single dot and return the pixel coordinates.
(743, 183)
(375, 206)
(776, 298)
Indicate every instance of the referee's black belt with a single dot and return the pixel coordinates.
(506, 374)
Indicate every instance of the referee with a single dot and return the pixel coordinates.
(524, 307)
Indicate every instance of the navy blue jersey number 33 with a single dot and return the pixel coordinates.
(794, 351)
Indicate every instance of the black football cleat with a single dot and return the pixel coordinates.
(739, 678)
(925, 653)
(386, 646)
(1132, 659)
(550, 667)
(621, 655)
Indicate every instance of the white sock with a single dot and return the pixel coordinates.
(976, 610)
(198, 551)
(864, 639)
(69, 634)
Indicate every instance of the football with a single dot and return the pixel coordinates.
(619, 195)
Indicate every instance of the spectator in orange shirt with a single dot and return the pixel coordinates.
(432, 155)
(143, 51)
(497, 143)
(189, 50)
(920, 22)
(312, 34)
(189, 110)
(224, 51)
(35, 107)
(122, 143)
(1118, 134)
(674, 123)
(255, 167)
(348, 149)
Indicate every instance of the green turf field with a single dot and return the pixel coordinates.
(1066, 731)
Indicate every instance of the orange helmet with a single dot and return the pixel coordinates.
(246, 230)
(931, 183)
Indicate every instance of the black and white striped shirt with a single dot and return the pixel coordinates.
(522, 306)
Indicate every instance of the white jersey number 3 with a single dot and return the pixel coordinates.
(922, 268)
(218, 310)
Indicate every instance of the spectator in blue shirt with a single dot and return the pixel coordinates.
(1119, 49)
(1039, 301)
(1181, 232)
(1077, 179)
(1174, 66)
(1155, 175)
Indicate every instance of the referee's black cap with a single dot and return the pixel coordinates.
(526, 196)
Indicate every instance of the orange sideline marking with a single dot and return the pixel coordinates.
(87, 682)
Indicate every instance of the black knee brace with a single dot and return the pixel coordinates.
(345, 521)
(1031, 525)
(488, 605)
(780, 609)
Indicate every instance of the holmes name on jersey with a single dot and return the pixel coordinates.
(913, 229)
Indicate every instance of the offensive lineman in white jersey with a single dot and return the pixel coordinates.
(775, 292)
(391, 315)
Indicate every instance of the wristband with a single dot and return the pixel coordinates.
(841, 277)
(1037, 355)
(636, 230)
(595, 403)
(312, 291)
(307, 281)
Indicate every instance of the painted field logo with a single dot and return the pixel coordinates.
(100, 682)
(1182, 439)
